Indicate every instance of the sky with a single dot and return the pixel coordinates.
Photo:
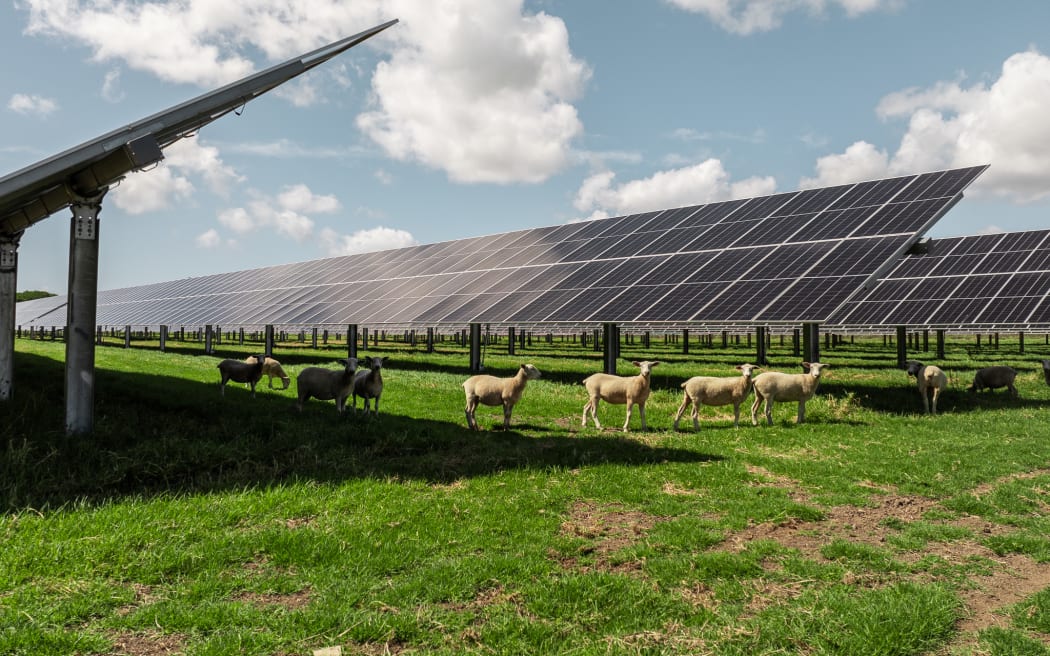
(475, 117)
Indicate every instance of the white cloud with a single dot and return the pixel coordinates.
(111, 91)
(1002, 124)
(169, 182)
(32, 105)
(701, 183)
(208, 239)
(287, 213)
(750, 16)
(478, 90)
(861, 161)
(365, 241)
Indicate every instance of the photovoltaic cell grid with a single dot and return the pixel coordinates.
(787, 257)
(984, 281)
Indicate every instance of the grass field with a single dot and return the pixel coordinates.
(194, 524)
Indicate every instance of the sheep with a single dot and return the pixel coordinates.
(1046, 370)
(240, 372)
(629, 390)
(326, 384)
(368, 383)
(773, 386)
(272, 368)
(490, 390)
(716, 391)
(932, 382)
(993, 377)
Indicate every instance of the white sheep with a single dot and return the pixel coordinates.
(239, 372)
(368, 383)
(773, 386)
(629, 390)
(490, 390)
(992, 377)
(931, 380)
(709, 390)
(1046, 370)
(327, 384)
(272, 368)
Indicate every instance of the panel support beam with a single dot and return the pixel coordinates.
(8, 297)
(760, 352)
(81, 309)
(351, 340)
(811, 342)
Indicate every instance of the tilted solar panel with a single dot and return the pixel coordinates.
(984, 281)
(786, 257)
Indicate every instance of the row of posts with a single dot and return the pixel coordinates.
(607, 339)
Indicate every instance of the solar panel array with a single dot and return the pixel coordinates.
(985, 281)
(787, 257)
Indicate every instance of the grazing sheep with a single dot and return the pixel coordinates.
(993, 377)
(629, 390)
(773, 386)
(327, 384)
(272, 368)
(490, 390)
(1046, 370)
(931, 381)
(713, 391)
(368, 384)
(240, 372)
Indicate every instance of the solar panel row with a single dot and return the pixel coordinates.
(993, 281)
(787, 257)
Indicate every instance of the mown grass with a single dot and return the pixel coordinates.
(209, 525)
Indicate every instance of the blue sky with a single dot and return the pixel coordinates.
(472, 117)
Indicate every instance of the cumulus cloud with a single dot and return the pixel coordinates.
(749, 16)
(948, 125)
(691, 185)
(287, 213)
(208, 239)
(365, 241)
(172, 181)
(480, 91)
(32, 105)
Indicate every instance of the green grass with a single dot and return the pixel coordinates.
(209, 525)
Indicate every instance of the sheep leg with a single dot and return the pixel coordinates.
(696, 414)
(681, 411)
(933, 404)
(592, 405)
(627, 421)
(736, 414)
(507, 407)
(641, 411)
(801, 412)
(754, 408)
(472, 404)
(769, 410)
(926, 401)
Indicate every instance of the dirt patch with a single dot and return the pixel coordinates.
(1011, 578)
(144, 595)
(146, 644)
(606, 530)
(290, 601)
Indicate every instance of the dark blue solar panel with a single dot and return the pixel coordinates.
(711, 214)
(629, 304)
(811, 201)
(775, 230)
(677, 268)
(682, 302)
(675, 240)
(762, 207)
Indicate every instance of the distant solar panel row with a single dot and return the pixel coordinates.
(993, 281)
(787, 257)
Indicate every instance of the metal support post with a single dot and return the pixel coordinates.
(475, 348)
(351, 340)
(81, 310)
(611, 349)
(163, 338)
(8, 297)
(511, 341)
(268, 341)
(902, 347)
(685, 341)
(760, 338)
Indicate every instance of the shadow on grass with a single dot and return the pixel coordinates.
(158, 435)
